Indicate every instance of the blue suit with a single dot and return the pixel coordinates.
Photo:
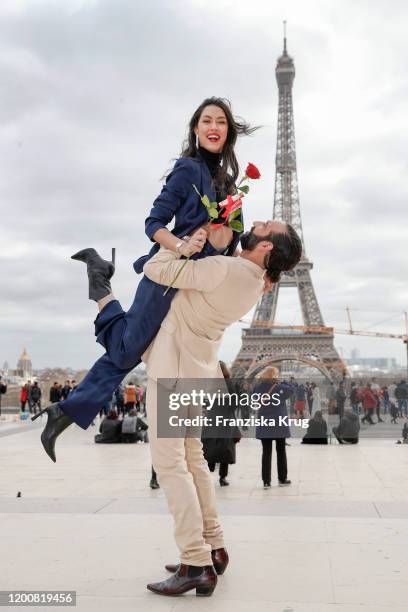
(126, 335)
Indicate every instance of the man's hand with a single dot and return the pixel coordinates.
(195, 243)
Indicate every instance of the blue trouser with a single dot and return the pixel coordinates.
(125, 337)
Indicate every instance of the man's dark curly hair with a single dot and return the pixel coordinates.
(286, 253)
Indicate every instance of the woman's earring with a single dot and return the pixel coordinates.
(197, 142)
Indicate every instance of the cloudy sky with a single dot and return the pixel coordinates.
(95, 99)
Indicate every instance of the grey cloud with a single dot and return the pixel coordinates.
(95, 103)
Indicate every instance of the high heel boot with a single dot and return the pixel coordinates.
(57, 421)
(99, 271)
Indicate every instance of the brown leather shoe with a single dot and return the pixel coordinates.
(219, 557)
(185, 579)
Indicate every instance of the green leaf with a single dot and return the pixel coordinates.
(244, 188)
(213, 204)
(206, 201)
(213, 212)
(236, 226)
(235, 214)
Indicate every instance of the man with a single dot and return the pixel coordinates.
(66, 390)
(214, 292)
(401, 395)
(55, 393)
(340, 400)
(35, 398)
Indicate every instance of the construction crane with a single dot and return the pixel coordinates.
(331, 330)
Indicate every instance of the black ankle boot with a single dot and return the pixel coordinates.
(99, 271)
(57, 421)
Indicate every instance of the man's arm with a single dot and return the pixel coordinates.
(203, 275)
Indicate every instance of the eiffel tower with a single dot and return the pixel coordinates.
(265, 343)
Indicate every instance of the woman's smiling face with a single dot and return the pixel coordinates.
(212, 129)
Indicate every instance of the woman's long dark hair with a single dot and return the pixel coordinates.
(227, 175)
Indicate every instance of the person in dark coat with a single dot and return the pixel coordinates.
(222, 450)
(309, 397)
(348, 428)
(66, 390)
(35, 398)
(340, 399)
(269, 384)
(55, 393)
(317, 430)
(393, 408)
(110, 429)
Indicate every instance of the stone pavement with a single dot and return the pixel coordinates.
(336, 540)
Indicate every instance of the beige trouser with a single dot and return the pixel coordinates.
(186, 480)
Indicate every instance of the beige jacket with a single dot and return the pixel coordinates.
(214, 292)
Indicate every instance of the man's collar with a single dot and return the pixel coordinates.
(258, 271)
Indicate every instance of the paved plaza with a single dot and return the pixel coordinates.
(336, 540)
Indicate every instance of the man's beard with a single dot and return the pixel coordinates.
(249, 240)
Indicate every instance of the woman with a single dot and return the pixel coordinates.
(207, 162)
(279, 392)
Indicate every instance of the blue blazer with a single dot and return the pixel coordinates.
(178, 200)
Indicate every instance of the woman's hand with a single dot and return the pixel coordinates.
(195, 243)
(219, 237)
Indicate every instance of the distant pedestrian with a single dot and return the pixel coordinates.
(55, 393)
(393, 408)
(35, 398)
(401, 395)
(309, 397)
(331, 398)
(292, 398)
(317, 400)
(340, 399)
(354, 398)
(66, 390)
(369, 404)
(130, 397)
(23, 397)
(385, 396)
(217, 449)
(119, 400)
(269, 384)
(300, 402)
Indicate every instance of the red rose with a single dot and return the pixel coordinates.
(252, 172)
